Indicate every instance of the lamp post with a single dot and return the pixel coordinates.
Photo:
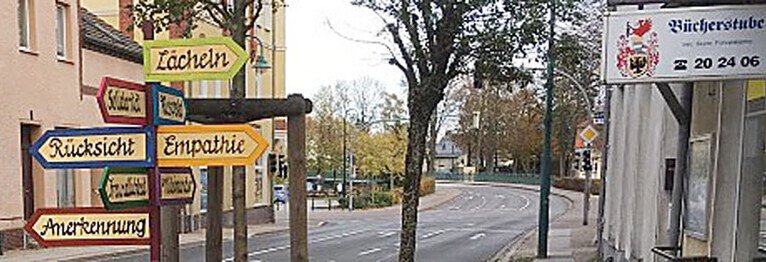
(545, 177)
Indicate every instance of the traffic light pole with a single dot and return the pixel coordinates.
(587, 166)
(545, 177)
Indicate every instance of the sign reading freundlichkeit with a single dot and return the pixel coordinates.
(192, 59)
(123, 188)
(89, 226)
(685, 44)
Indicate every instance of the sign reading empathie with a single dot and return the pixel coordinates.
(208, 145)
(95, 148)
(122, 102)
(89, 226)
(192, 59)
(123, 188)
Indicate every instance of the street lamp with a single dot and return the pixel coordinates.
(260, 61)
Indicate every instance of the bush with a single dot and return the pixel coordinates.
(427, 185)
(577, 184)
(368, 199)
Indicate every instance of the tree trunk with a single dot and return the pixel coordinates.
(419, 122)
(431, 152)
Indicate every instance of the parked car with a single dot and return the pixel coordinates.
(280, 194)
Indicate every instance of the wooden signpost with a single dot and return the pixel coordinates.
(53, 227)
(209, 145)
(169, 105)
(192, 59)
(123, 188)
(122, 102)
(94, 148)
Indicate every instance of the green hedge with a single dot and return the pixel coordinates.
(577, 184)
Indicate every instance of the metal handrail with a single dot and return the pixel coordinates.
(665, 252)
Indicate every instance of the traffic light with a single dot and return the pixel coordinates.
(282, 166)
(273, 165)
(586, 161)
(576, 161)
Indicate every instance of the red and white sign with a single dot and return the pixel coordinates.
(122, 102)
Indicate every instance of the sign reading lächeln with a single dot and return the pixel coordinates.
(192, 59)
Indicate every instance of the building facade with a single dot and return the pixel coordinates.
(53, 57)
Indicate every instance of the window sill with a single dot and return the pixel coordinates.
(64, 60)
(26, 50)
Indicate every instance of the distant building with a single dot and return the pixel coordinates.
(447, 158)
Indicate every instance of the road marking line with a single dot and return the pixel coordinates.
(386, 234)
(272, 249)
(363, 253)
(433, 234)
(477, 236)
(526, 204)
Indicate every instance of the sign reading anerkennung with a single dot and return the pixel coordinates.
(685, 44)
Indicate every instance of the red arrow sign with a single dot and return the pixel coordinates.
(53, 227)
(122, 102)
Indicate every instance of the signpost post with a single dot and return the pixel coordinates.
(53, 227)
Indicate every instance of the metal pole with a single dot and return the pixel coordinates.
(343, 186)
(296, 157)
(684, 128)
(351, 185)
(604, 158)
(213, 235)
(545, 177)
(586, 190)
(155, 250)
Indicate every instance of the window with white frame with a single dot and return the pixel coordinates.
(65, 187)
(24, 26)
(61, 30)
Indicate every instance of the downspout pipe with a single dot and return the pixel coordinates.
(681, 109)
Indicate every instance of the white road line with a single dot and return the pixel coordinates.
(433, 234)
(526, 204)
(364, 253)
(503, 206)
(273, 249)
(477, 236)
(385, 234)
(500, 196)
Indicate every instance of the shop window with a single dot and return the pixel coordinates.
(753, 152)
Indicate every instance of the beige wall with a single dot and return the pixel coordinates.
(40, 89)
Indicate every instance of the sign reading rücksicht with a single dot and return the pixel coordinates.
(685, 44)
(92, 148)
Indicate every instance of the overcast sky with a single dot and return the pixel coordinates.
(317, 55)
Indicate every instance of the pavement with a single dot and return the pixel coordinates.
(317, 218)
(568, 238)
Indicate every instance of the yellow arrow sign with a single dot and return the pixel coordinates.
(208, 145)
(192, 59)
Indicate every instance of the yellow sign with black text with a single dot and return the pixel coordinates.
(208, 145)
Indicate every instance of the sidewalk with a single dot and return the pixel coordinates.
(316, 219)
(568, 238)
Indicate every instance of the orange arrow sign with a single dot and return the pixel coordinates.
(89, 227)
(208, 145)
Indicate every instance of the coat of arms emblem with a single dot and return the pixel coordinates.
(638, 52)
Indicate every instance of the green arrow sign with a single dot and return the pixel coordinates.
(215, 58)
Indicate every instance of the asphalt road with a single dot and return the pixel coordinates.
(471, 227)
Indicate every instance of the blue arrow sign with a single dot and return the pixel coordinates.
(95, 148)
(169, 105)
